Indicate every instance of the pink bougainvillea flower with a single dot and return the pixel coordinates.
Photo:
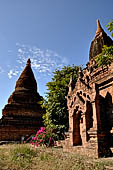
(37, 144)
(43, 137)
(38, 132)
(42, 129)
(54, 143)
(50, 139)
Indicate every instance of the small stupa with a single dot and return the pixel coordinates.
(22, 116)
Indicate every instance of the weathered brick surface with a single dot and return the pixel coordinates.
(22, 116)
(90, 105)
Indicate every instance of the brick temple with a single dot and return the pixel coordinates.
(22, 116)
(90, 105)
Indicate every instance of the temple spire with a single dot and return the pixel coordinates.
(100, 39)
(28, 62)
(99, 28)
(27, 79)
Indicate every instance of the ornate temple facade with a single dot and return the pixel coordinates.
(90, 105)
(22, 116)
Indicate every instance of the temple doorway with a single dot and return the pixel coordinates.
(76, 129)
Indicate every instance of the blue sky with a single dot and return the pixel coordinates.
(53, 33)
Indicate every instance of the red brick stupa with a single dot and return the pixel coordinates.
(22, 116)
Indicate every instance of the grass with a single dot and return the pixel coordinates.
(25, 157)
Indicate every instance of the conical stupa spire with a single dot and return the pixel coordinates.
(27, 79)
(99, 28)
(100, 39)
(28, 62)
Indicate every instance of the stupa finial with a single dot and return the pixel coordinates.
(99, 28)
(28, 62)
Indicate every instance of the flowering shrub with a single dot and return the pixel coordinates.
(44, 137)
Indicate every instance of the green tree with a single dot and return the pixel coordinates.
(106, 57)
(56, 116)
(110, 26)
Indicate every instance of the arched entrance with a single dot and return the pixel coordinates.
(88, 118)
(76, 128)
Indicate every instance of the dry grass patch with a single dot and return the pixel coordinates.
(25, 157)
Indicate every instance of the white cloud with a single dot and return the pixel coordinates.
(12, 73)
(43, 61)
(20, 50)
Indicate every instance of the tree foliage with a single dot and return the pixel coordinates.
(56, 116)
(110, 26)
(106, 57)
